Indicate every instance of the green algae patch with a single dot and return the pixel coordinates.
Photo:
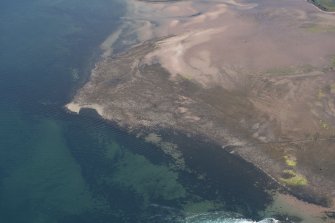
(148, 180)
(112, 150)
(290, 161)
(201, 206)
(293, 178)
(168, 148)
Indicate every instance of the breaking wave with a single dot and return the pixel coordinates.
(165, 214)
(212, 218)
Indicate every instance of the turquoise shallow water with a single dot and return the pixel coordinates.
(60, 167)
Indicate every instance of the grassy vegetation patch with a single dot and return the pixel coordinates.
(332, 62)
(321, 94)
(284, 71)
(293, 178)
(290, 161)
(324, 125)
(332, 87)
(318, 28)
(280, 71)
(307, 68)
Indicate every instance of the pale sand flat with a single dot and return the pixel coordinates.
(287, 204)
(76, 107)
(73, 107)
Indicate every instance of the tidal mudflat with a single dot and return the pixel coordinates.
(256, 77)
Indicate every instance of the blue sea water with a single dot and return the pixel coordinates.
(66, 168)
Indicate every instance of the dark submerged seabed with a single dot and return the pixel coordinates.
(60, 167)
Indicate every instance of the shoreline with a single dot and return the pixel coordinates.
(285, 206)
(76, 106)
